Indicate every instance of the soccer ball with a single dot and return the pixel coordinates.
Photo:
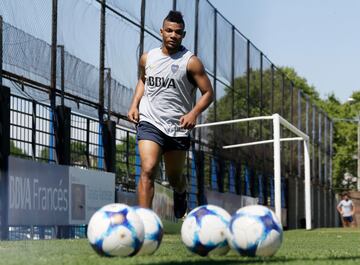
(116, 230)
(153, 228)
(204, 230)
(255, 231)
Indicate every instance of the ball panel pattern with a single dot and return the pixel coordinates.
(204, 230)
(153, 229)
(255, 231)
(116, 230)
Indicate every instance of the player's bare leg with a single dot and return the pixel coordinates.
(174, 165)
(150, 153)
(352, 224)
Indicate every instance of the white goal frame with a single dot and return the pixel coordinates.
(277, 122)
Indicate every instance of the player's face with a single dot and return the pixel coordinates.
(172, 34)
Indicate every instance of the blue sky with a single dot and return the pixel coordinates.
(319, 39)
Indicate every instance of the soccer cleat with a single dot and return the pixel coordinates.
(180, 204)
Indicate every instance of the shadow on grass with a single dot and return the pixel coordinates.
(243, 260)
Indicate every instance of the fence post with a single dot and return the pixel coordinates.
(102, 61)
(215, 65)
(63, 127)
(33, 130)
(247, 86)
(62, 147)
(4, 157)
(1, 49)
(199, 158)
(109, 133)
(52, 93)
(142, 31)
(193, 191)
(321, 181)
(266, 188)
(101, 81)
(272, 87)
(62, 73)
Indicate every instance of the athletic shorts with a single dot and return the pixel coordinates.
(147, 131)
(348, 219)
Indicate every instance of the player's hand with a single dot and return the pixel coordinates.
(188, 121)
(133, 115)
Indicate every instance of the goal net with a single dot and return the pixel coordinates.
(226, 134)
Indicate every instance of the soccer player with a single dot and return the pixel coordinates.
(346, 208)
(164, 111)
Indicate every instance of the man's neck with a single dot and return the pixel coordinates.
(169, 52)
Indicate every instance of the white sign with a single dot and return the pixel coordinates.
(38, 193)
(48, 194)
(90, 190)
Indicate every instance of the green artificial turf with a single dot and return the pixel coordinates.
(321, 246)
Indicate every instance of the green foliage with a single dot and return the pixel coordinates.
(125, 160)
(125, 157)
(242, 101)
(77, 153)
(16, 151)
(285, 76)
(345, 118)
(301, 83)
(44, 153)
(267, 93)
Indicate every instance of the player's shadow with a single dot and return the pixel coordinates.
(277, 260)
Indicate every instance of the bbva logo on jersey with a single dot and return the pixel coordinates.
(161, 82)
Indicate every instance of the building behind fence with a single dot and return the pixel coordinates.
(83, 55)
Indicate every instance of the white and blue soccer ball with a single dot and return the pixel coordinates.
(255, 231)
(204, 230)
(153, 228)
(116, 230)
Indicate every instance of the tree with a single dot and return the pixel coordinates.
(125, 160)
(16, 151)
(301, 83)
(344, 136)
(274, 91)
(77, 154)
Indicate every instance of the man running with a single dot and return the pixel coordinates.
(163, 109)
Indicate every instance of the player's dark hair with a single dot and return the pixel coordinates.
(175, 16)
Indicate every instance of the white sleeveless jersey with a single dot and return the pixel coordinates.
(168, 93)
(346, 207)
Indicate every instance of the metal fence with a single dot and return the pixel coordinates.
(97, 45)
(30, 133)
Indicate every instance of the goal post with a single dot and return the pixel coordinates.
(278, 121)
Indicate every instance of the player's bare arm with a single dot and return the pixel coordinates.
(197, 71)
(133, 113)
(339, 209)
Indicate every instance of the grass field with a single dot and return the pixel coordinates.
(321, 246)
